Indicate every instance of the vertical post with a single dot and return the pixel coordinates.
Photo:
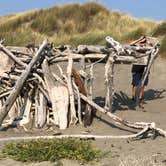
(74, 119)
(88, 117)
(109, 76)
(82, 61)
(90, 83)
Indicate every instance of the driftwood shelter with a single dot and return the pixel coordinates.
(29, 91)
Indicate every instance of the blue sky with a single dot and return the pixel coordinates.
(152, 9)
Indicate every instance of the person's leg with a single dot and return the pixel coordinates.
(141, 97)
(134, 89)
(135, 81)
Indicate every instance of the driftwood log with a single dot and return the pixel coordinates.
(109, 79)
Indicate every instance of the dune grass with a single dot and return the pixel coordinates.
(52, 150)
(76, 24)
(160, 32)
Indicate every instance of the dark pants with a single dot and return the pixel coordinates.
(136, 77)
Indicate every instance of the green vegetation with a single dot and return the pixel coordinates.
(163, 47)
(76, 24)
(160, 31)
(52, 150)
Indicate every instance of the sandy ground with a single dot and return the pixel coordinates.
(124, 152)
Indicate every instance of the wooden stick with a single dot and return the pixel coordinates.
(19, 84)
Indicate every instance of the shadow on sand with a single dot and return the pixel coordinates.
(122, 101)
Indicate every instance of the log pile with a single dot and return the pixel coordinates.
(32, 96)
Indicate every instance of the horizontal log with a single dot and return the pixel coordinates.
(84, 49)
(83, 136)
(130, 59)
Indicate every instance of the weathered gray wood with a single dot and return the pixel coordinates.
(76, 57)
(78, 102)
(19, 84)
(59, 97)
(82, 66)
(51, 88)
(40, 109)
(73, 119)
(26, 116)
(88, 111)
(109, 77)
(84, 49)
(12, 56)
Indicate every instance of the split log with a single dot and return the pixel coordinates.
(19, 84)
(62, 104)
(59, 97)
(51, 88)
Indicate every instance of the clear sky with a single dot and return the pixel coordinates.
(152, 9)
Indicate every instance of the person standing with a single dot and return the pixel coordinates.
(137, 72)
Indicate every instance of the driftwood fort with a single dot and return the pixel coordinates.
(30, 91)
